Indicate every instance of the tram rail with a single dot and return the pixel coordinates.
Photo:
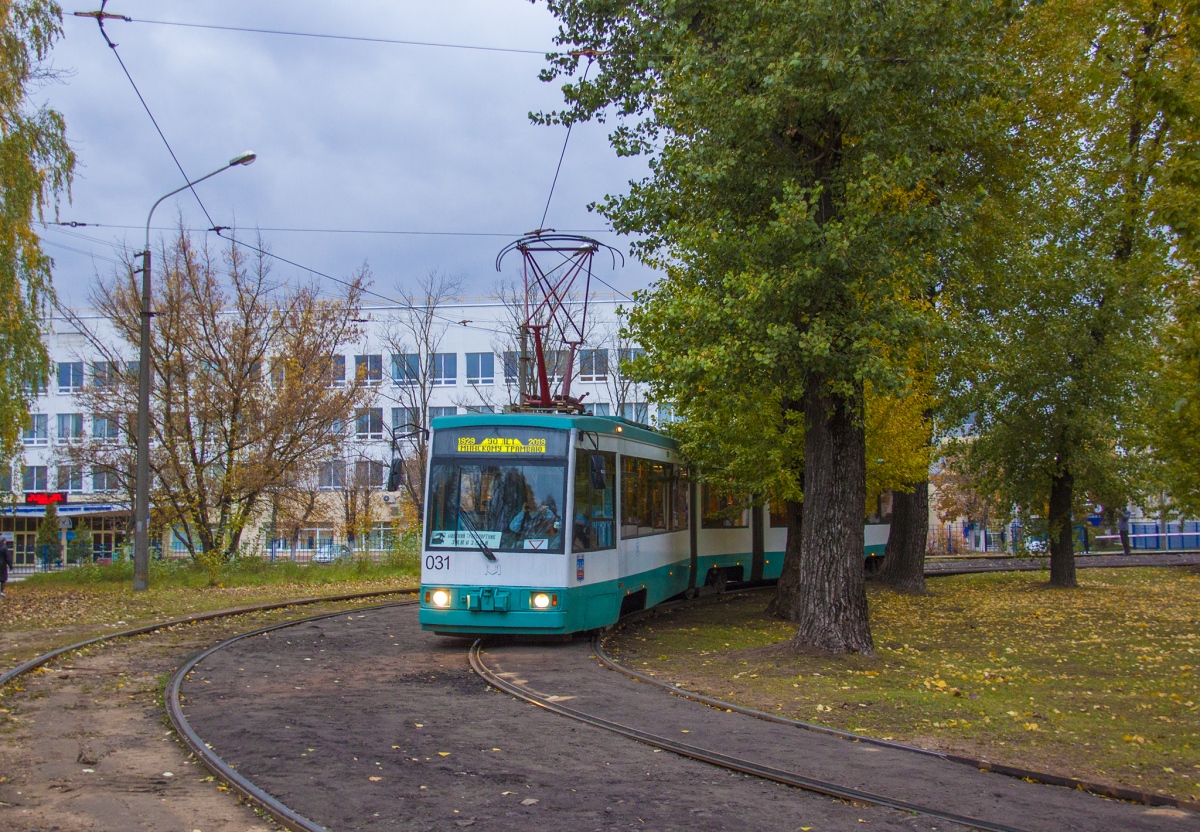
(293, 820)
(256, 796)
(1047, 778)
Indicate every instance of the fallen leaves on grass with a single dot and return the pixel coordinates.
(1099, 682)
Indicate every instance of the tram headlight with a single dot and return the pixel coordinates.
(438, 597)
(543, 600)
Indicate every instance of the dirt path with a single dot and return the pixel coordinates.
(84, 744)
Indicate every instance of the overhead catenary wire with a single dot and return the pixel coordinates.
(365, 231)
(100, 17)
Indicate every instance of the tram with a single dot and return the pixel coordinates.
(545, 523)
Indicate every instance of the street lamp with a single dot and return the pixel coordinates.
(141, 498)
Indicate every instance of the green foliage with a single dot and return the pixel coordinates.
(1056, 326)
(809, 161)
(1177, 414)
(35, 170)
(48, 533)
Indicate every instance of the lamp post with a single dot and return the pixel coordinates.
(141, 498)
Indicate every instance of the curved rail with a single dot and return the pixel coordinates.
(282, 813)
(724, 760)
(38, 661)
(1117, 792)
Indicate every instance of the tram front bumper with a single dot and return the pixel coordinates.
(478, 610)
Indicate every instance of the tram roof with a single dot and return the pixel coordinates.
(610, 425)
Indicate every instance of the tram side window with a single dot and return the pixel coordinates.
(722, 511)
(777, 509)
(595, 501)
(653, 497)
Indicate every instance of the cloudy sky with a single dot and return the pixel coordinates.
(350, 136)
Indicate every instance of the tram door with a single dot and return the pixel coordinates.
(757, 542)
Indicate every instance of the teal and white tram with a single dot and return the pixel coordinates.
(551, 524)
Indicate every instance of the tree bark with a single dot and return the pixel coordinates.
(904, 558)
(1061, 531)
(832, 599)
(785, 603)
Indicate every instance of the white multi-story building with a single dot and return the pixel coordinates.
(468, 356)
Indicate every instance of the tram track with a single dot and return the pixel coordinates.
(194, 744)
(293, 820)
(726, 761)
(1047, 778)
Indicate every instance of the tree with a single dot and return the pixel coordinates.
(49, 535)
(36, 165)
(243, 399)
(809, 161)
(899, 436)
(1176, 434)
(1057, 340)
(414, 338)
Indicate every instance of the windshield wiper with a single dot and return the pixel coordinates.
(487, 553)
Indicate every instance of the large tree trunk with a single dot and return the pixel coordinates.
(904, 557)
(832, 594)
(785, 603)
(1061, 531)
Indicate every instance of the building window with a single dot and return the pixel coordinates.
(481, 368)
(666, 414)
(70, 426)
(597, 409)
(70, 478)
(104, 373)
(369, 368)
(480, 408)
(627, 355)
(368, 423)
(593, 365)
(335, 376)
(38, 390)
(104, 479)
(405, 420)
(436, 412)
(104, 428)
(445, 368)
(636, 412)
(70, 376)
(512, 367)
(369, 473)
(33, 478)
(653, 497)
(333, 475)
(406, 369)
(37, 432)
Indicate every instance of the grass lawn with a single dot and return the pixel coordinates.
(50, 610)
(1097, 683)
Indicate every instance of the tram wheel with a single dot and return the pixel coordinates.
(720, 582)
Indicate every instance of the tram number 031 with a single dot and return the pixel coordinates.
(437, 561)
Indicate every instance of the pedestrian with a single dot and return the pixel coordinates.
(6, 563)
(1123, 530)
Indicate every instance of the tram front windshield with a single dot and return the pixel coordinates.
(502, 492)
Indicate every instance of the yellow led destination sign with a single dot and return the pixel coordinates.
(500, 445)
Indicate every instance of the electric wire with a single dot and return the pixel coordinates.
(381, 231)
(146, 107)
(353, 38)
(561, 156)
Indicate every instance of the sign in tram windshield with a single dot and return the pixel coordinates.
(496, 440)
(501, 445)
